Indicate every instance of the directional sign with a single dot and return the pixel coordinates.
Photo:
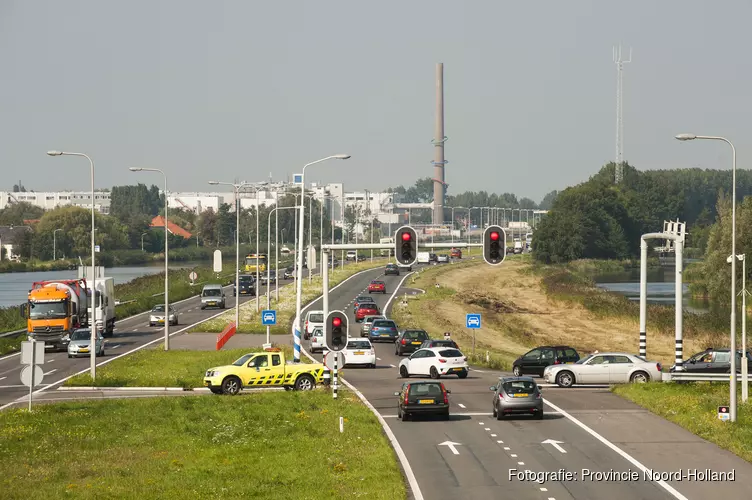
(555, 444)
(27, 372)
(472, 321)
(451, 445)
(193, 276)
(269, 317)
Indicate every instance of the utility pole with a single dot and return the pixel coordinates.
(439, 186)
(619, 163)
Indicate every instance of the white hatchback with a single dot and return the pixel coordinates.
(360, 352)
(434, 362)
(316, 340)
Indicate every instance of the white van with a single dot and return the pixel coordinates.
(424, 257)
(313, 320)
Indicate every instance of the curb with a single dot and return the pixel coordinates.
(144, 389)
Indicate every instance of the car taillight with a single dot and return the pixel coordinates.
(306, 325)
(557, 362)
(658, 365)
(446, 396)
(403, 341)
(407, 391)
(442, 360)
(372, 352)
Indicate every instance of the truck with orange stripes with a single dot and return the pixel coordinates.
(263, 369)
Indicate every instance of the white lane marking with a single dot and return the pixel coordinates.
(10, 356)
(520, 463)
(626, 456)
(3, 378)
(51, 372)
(379, 359)
(506, 448)
(544, 489)
(500, 441)
(481, 423)
(115, 346)
(393, 366)
(487, 429)
(462, 414)
(493, 435)
(461, 405)
(513, 455)
(481, 371)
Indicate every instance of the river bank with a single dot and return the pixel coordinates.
(524, 306)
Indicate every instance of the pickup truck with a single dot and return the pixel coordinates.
(267, 369)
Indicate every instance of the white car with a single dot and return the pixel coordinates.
(313, 320)
(604, 368)
(434, 362)
(317, 343)
(360, 352)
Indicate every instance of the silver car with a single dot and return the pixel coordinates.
(213, 296)
(517, 396)
(367, 322)
(157, 316)
(605, 368)
(80, 343)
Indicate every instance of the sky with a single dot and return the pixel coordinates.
(236, 90)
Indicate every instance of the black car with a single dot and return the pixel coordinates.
(535, 361)
(438, 343)
(425, 397)
(714, 360)
(246, 286)
(410, 341)
(391, 269)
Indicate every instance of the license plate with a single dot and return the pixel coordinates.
(161, 321)
(359, 353)
(212, 303)
(417, 343)
(521, 395)
(570, 362)
(425, 401)
(83, 350)
(384, 335)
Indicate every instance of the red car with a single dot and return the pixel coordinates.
(456, 253)
(367, 309)
(377, 286)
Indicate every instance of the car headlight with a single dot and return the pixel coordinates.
(66, 338)
(212, 373)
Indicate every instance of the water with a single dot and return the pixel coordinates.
(660, 287)
(14, 287)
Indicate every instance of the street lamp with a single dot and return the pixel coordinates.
(299, 270)
(166, 258)
(743, 293)
(732, 388)
(54, 244)
(93, 322)
(142, 240)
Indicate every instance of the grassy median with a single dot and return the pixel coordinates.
(695, 408)
(250, 322)
(158, 368)
(261, 445)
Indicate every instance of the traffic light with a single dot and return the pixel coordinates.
(335, 330)
(494, 245)
(406, 246)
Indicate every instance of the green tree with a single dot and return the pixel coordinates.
(548, 200)
(16, 213)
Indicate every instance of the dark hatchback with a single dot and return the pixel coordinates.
(247, 285)
(713, 360)
(426, 398)
(410, 341)
(535, 361)
(383, 330)
(391, 269)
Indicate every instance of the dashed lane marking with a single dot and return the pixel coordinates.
(51, 372)
(461, 405)
(393, 366)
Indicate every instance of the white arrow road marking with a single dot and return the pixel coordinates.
(51, 372)
(555, 444)
(451, 445)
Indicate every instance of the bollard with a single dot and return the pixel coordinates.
(341, 424)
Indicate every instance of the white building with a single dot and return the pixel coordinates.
(50, 200)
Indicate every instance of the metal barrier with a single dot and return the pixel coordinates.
(701, 377)
(13, 334)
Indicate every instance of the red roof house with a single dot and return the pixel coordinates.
(158, 221)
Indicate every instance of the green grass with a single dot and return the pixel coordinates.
(158, 368)
(9, 345)
(284, 445)
(695, 408)
(11, 319)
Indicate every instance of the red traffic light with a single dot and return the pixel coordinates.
(336, 322)
(406, 236)
(494, 236)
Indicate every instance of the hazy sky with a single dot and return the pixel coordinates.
(226, 90)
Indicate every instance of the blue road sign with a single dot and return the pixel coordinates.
(297, 178)
(268, 317)
(472, 321)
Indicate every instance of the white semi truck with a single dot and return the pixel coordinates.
(104, 303)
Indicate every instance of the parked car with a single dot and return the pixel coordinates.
(515, 396)
(383, 329)
(213, 295)
(409, 341)
(604, 368)
(714, 360)
(535, 361)
(424, 398)
(79, 343)
(377, 286)
(391, 269)
(367, 322)
(360, 352)
(157, 315)
(434, 362)
(438, 343)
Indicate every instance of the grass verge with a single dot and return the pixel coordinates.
(695, 408)
(262, 445)
(158, 368)
(11, 319)
(249, 317)
(9, 345)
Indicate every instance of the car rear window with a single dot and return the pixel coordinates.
(368, 306)
(384, 323)
(443, 343)
(316, 318)
(450, 353)
(519, 387)
(426, 390)
(365, 299)
(568, 353)
(416, 334)
(377, 282)
(359, 344)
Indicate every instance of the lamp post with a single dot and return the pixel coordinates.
(310, 237)
(142, 240)
(54, 244)
(166, 257)
(93, 320)
(743, 293)
(299, 270)
(732, 388)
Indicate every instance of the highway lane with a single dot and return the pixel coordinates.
(489, 449)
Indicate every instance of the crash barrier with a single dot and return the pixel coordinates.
(226, 334)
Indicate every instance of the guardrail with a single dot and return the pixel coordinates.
(13, 334)
(701, 377)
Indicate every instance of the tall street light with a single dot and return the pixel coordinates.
(732, 388)
(299, 270)
(237, 248)
(166, 258)
(54, 244)
(93, 320)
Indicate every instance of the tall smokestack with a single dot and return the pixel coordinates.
(438, 142)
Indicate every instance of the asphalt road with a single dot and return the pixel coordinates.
(594, 431)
